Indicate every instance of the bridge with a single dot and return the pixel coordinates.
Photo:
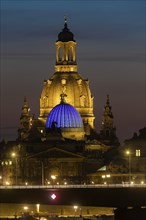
(99, 195)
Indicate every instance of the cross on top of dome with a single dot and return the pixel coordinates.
(65, 22)
(65, 35)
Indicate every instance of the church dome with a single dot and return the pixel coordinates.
(66, 118)
(78, 95)
(76, 88)
(65, 35)
(64, 115)
(67, 80)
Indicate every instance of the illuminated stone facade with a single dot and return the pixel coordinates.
(67, 80)
(63, 144)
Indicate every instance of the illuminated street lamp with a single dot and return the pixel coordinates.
(104, 177)
(129, 164)
(7, 183)
(26, 212)
(25, 208)
(15, 157)
(37, 208)
(75, 208)
(53, 177)
(108, 175)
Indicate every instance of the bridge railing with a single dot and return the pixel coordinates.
(124, 185)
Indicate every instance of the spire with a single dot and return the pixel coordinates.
(108, 131)
(25, 108)
(107, 108)
(107, 100)
(25, 122)
(25, 99)
(108, 115)
(65, 22)
(65, 35)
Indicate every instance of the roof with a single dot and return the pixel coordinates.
(65, 35)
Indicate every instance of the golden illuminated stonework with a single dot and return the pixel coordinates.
(67, 80)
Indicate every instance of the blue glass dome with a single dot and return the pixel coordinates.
(64, 115)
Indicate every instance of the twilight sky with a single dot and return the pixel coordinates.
(110, 38)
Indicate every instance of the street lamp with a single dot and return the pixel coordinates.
(15, 157)
(129, 164)
(25, 208)
(1, 179)
(42, 171)
(53, 177)
(75, 208)
(37, 208)
(26, 212)
(105, 177)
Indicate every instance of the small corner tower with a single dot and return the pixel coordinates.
(108, 131)
(65, 51)
(25, 122)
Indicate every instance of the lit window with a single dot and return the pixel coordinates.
(137, 153)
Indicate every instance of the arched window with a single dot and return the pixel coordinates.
(70, 54)
(60, 54)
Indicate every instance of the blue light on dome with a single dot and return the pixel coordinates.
(64, 115)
